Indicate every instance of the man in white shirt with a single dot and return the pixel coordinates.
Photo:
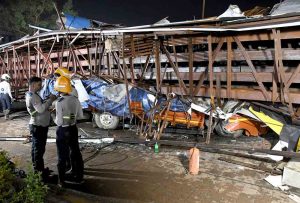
(5, 95)
(68, 110)
(61, 71)
(38, 124)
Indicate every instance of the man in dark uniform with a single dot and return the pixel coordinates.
(39, 123)
(61, 71)
(68, 110)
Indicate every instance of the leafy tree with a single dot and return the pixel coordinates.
(17, 14)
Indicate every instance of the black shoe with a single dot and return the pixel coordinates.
(78, 179)
(46, 175)
(46, 171)
(53, 179)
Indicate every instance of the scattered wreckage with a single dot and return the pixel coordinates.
(236, 74)
(109, 103)
(238, 56)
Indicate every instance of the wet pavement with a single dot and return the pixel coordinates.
(134, 173)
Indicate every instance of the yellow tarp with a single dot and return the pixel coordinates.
(275, 125)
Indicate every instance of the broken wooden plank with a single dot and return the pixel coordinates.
(260, 167)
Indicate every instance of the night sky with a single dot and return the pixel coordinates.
(139, 12)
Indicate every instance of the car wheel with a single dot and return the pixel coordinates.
(106, 120)
(221, 130)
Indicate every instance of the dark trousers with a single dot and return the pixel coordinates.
(5, 101)
(39, 139)
(67, 142)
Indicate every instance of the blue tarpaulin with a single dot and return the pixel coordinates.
(96, 89)
(76, 22)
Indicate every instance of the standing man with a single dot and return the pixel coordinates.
(68, 110)
(5, 95)
(38, 124)
(62, 71)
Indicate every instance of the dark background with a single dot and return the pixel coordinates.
(138, 12)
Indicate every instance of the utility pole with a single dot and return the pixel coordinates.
(203, 8)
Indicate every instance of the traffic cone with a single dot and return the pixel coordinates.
(194, 161)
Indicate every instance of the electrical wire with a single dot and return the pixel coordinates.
(98, 149)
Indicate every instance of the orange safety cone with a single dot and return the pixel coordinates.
(194, 161)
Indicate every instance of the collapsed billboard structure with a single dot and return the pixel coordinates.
(227, 58)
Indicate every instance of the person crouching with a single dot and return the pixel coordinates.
(68, 110)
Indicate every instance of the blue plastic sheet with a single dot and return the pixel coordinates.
(95, 88)
(48, 88)
(76, 22)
